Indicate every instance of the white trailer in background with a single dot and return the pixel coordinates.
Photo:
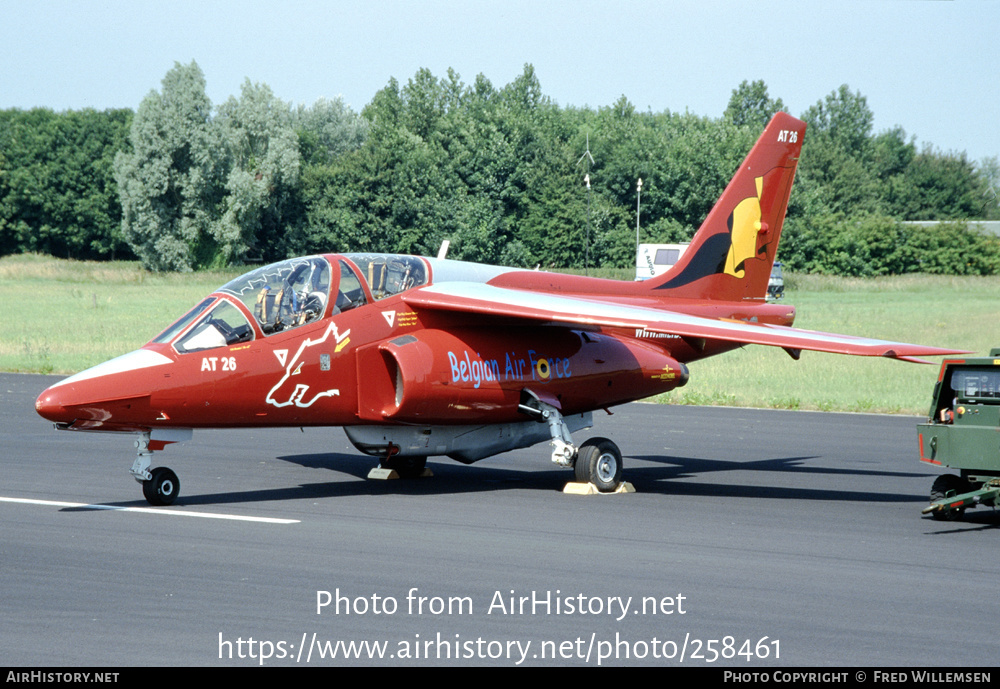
(653, 259)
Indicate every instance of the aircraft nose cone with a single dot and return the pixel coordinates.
(49, 405)
(116, 388)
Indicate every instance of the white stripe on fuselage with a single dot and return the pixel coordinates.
(133, 361)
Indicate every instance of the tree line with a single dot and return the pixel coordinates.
(505, 174)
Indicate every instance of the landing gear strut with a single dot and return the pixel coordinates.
(161, 485)
(597, 461)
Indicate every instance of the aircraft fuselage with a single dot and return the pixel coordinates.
(384, 362)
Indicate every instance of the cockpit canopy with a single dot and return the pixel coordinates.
(284, 295)
(389, 274)
(292, 293)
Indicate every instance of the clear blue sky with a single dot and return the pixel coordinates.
(929, 66)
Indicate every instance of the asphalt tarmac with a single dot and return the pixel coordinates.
(756, 539)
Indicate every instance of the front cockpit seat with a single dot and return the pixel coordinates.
(266, 310)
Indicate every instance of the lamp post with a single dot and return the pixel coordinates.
(638, 198)
(587, 160)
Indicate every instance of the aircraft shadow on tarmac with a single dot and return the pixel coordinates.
(663, 478)
(449, 478)
(664, 481)
(976, 520)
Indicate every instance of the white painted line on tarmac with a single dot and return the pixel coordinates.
(151, 510)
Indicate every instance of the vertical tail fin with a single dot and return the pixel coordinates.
(731, 255)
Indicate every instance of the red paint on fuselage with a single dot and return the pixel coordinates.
(453, 369)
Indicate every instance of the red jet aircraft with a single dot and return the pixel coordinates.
(418, 357)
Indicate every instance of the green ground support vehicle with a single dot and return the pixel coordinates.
(963, 432)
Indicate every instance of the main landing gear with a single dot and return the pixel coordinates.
(597, 461)
(408, 466)
(160, 486)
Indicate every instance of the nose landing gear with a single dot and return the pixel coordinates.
(161, 485)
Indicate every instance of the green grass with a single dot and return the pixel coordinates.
(62, 316)
(959, 312)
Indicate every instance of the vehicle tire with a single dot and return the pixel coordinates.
(407, 467)
(599, 461)
(162, 488)
(943, 485)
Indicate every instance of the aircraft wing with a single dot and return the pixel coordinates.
(488, 300)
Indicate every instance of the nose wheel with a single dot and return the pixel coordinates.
(162, 487)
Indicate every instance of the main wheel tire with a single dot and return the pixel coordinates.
(162, 488)
(944, 485)
(406, 467)
(599, 461)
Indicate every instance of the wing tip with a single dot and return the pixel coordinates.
(926, 351)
